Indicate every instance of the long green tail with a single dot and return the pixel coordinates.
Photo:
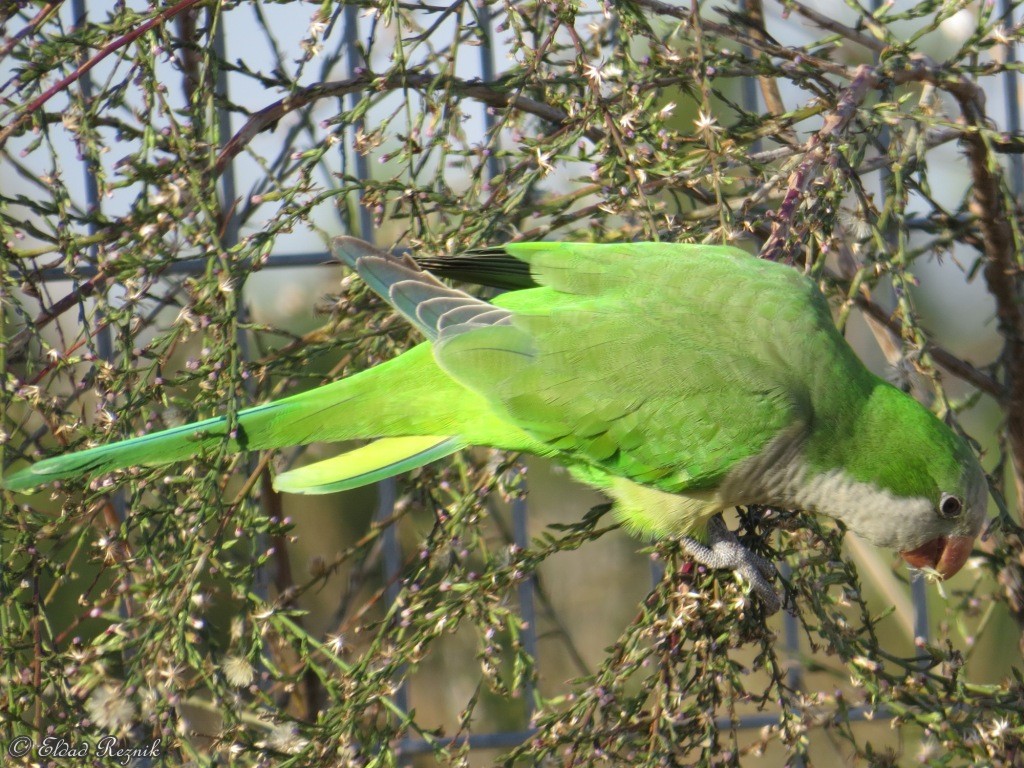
(408, 395)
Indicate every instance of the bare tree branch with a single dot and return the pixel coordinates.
(485, 93)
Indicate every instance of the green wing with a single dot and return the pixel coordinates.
(639, 358)
(636, 359)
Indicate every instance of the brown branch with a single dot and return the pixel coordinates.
(284, 583)
(734, 32)
(831, 25)
(485, 93)
(44, 13)
(942, 357)
(918, 69)
(1001, 271)
(37, 103)
(769, 85)
(815, 153)
(59, 307)
(191, 60)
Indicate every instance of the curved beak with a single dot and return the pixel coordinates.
(946, 555)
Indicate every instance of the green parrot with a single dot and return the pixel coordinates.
(681, 380)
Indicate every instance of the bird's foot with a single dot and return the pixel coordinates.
(724, 551)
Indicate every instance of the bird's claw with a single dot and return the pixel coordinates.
(724, 551)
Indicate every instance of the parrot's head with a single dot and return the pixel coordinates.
(954, 520)
(916, 486)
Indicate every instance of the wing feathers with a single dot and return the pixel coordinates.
(633, 357)
(494, 267)
(420, 297)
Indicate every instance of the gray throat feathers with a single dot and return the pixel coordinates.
(780, 476)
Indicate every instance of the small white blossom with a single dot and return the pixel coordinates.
(707, 125)
(999, 728)
(865, 663)
(172, 194)
(109, 708)
(317, 26)
(285, 738)
(544, 162)
(238, 671)
(927, 751)
(336, 643)
(1000, 35)
(599, 73)
(147, 231)
(312, 48)
(593, 74)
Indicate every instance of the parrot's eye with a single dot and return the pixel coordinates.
(950, 506)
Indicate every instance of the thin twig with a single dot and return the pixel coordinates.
(1002, 269)
(831, 25)
(37, 103)
(284, 583)
(59, 307)
(485, 93)
(736, 33)
(942, 357)
(44, 13)
(770, 91)
(816, 151)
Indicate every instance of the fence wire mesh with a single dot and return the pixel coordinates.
(172, 175)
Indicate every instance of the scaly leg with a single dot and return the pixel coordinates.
(724, 551)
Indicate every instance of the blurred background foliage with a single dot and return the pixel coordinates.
(171, 174)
